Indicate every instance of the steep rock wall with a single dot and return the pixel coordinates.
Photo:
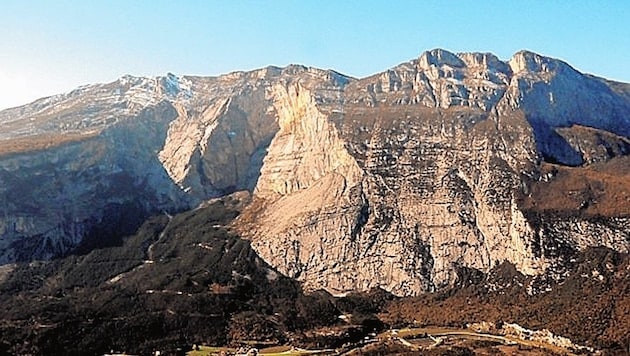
(439, 188)
(396, 180)
(99, 189)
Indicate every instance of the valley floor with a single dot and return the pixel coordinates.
(427, 340)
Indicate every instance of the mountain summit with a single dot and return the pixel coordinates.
(397, 180)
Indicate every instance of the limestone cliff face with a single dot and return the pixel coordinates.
(83, 169)
(438, 79)
(96, 188)
(553, 95)
(394, 180)
(445, 146)
(305, 149)
(431, 194)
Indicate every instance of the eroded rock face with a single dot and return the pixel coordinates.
(395, 180)
(87, 167)
(98, 188)
(432, 193)
(445, 146)
(437, 79)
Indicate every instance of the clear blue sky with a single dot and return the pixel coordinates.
(49, 47)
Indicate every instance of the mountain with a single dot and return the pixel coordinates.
(152, 213)
(178, 280)
(395, 180)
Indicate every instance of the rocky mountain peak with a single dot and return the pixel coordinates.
(441, 79)
(172, 85)
(484, 60)
(526, 61)
(439, 57)
(150, 90)
(393, 180)
(419, 178)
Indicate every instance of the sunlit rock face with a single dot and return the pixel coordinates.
(395, 180)
(444, 148)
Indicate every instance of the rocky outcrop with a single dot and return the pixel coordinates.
(396, 180)
(421, 206)
(445, 145)
(438, 79)
(87, 167)
(93, 190)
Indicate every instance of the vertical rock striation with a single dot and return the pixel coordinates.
(395, 180)
(445, 146)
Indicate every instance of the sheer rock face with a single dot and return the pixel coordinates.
(433, 193)
(446, 146)
(395, 180)
(97, 187)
